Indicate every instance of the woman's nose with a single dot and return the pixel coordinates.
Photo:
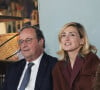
(67, 37)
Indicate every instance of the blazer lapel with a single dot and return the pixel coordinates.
(65, 72)
(41, 72)
(76, 69)
(18, 71)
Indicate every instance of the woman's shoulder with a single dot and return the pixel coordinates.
(92, 56)
(58, 67)
(60, 64)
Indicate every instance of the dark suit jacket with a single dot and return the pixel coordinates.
(83, 74)
(44, 78)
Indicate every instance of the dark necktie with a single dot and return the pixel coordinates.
(26, 77)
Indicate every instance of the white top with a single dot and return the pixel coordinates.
(34, 70)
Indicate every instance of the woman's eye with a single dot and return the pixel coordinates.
(72, 34)
(63, 35)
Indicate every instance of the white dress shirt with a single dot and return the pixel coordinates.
(34, 70)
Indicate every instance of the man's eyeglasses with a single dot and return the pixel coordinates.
(27, 40)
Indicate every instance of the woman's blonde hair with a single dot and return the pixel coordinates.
(86, 47)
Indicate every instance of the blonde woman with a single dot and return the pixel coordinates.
(78, 60)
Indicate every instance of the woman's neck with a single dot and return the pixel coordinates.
(72, 57)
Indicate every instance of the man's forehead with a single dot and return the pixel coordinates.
(29, 28)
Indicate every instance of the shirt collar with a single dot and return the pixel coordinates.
(36, 61)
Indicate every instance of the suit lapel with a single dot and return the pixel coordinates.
(18, 71)
(41, 72)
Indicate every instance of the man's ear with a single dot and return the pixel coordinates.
(41, 42)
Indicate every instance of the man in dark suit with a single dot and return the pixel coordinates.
(32, 44)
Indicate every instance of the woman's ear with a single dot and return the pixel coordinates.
(82, 42)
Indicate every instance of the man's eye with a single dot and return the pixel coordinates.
(29, 39)
(20, 41)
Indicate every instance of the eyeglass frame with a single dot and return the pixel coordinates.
(27, 40)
